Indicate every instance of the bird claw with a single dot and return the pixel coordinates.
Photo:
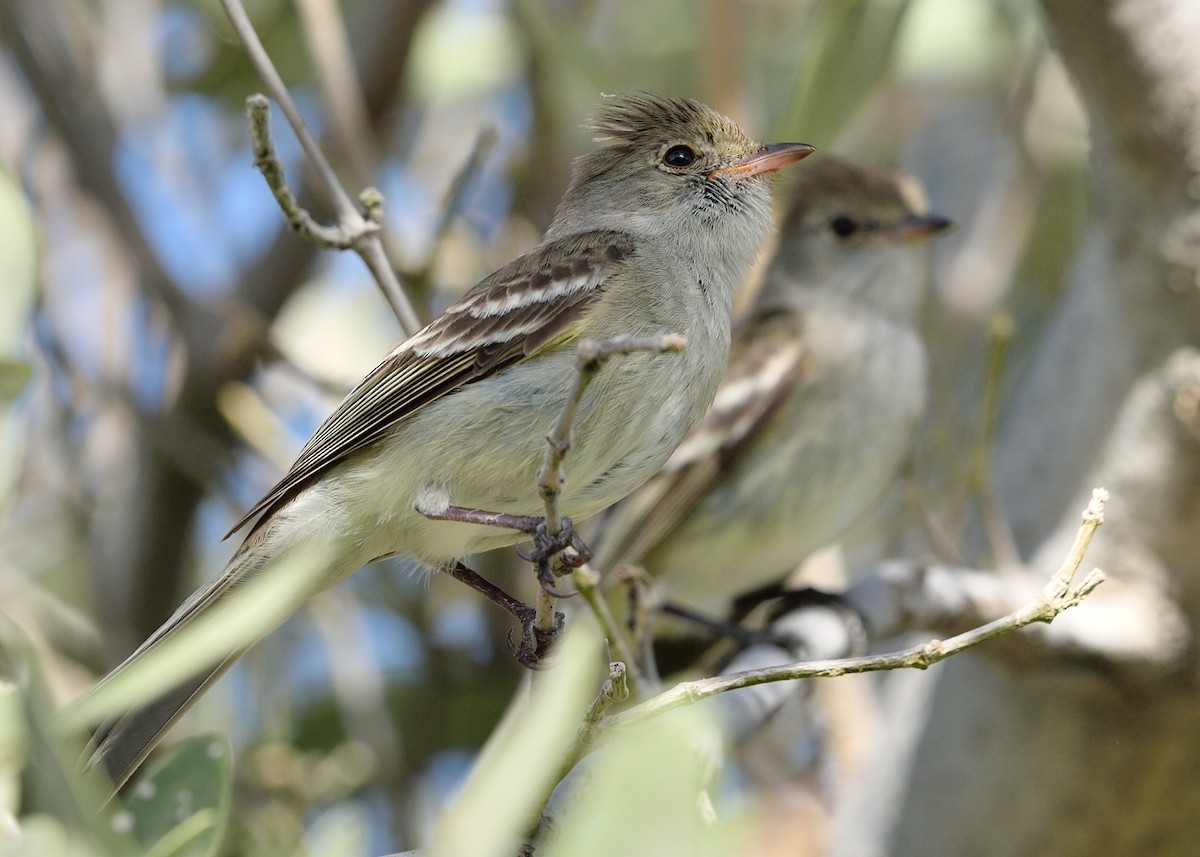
(535, 642)
(546, 547)
(547, 581)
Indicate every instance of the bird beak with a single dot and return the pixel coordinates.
(768, 159)
(919, 227)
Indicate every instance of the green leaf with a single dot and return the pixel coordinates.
(850, 53)
(14, 376)
(516, 769)
(42, 835)
(646, 792)
(180, 807)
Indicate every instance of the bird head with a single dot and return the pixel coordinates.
(858, 231)
(671, 167)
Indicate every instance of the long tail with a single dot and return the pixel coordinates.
(123, 743)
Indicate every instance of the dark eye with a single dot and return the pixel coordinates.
(679, 156)
(843, 226)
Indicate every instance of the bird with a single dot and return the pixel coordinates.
(816, 411)
(652, 236)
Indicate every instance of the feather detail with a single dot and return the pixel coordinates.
(768, 360)
(530, 304)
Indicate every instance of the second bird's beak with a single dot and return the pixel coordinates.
(768, 159)
(919, 227)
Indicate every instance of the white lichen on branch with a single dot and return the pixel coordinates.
(1061, 593)
(336, 237)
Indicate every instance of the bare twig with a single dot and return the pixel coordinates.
(592, 357)
(615, 688)
(587, 585)
(453, 201)
(363, 230)
(341, 91)
(337, 237)
(1059, 594)
(1000, 537)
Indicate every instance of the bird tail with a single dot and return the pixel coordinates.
(122, 743)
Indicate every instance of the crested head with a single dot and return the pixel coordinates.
(855, 230)
(678, 173)
(638, 119)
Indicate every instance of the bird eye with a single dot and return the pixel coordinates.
(843, 226)
(679, 156)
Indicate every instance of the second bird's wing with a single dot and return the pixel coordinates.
(767, 359)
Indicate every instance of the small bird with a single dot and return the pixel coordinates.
(816, 411)
(652, 236)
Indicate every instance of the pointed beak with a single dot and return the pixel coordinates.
(919, 227)
(768, 159)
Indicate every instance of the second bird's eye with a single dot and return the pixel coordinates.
(679, 156)
(843, 226)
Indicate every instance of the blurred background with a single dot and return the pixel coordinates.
(167, 344)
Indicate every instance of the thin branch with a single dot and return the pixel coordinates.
(615, 688)
(365, 230)
(453, 202)
(587, 585)
(341, 91)
(347, 212)
(1060, 594)
(1000, 536)
(592, 356)
(337, 237)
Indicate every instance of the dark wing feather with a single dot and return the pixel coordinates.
(529, 304)
(767, 359)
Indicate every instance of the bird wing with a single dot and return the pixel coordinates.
(530, 304)
(767, 358)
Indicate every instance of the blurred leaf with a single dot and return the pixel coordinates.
(13, 737)
(50, 781)
(459, 52)
(43, 836)
(340, 831)
(180, 807)
(236, 621)
(851, 50)
(517, 767)
(963, 41)
(18, 263)
(14, 376)
(646, 793)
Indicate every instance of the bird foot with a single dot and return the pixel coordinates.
(546, 545)
(535, 641)
(718, 628)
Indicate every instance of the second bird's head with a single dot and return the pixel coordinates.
(858, 231)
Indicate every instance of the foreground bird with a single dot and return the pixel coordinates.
(653, 236)
(816, 412)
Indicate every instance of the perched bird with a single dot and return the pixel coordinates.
(652, 236)
(816, 411)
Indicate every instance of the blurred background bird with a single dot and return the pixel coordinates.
(816, 412)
